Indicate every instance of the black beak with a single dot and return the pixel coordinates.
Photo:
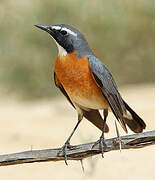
(45, 28)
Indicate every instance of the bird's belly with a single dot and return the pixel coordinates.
(92, 102)
(87, 95)
(79, 83)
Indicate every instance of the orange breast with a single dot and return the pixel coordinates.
(77, 79)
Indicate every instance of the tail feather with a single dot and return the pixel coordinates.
(134, 122)
(94, 117)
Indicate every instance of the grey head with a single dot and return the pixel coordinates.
(68, 39)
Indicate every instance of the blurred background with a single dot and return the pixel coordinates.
(121, 33)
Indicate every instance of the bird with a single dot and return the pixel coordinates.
(87, 84)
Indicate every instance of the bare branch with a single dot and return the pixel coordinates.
(79, 152)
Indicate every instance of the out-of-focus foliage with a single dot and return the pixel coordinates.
(121, 33)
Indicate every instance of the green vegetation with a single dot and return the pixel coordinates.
(121, 33)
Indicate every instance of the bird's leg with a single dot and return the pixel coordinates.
(101, 140)
(67, 143)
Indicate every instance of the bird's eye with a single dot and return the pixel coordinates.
(63, 32)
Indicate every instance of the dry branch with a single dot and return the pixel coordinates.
(79, 152)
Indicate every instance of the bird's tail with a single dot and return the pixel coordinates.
(94, 117)
(134, 122)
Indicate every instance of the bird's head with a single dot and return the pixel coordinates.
(68, 39)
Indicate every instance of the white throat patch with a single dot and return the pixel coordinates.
(62, 51)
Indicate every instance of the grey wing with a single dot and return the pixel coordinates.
(108, 87)
(92, 115)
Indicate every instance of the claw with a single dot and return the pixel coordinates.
(64, 150)
(67, 143)
(101, 143)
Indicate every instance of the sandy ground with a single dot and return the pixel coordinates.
(47, 124)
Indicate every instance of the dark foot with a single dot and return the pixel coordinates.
(101, 144)
(64, 150)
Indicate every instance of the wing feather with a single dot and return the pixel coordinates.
(108, 87)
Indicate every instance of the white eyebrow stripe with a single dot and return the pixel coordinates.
(56, 27)
(65, 29)
(69, 31)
